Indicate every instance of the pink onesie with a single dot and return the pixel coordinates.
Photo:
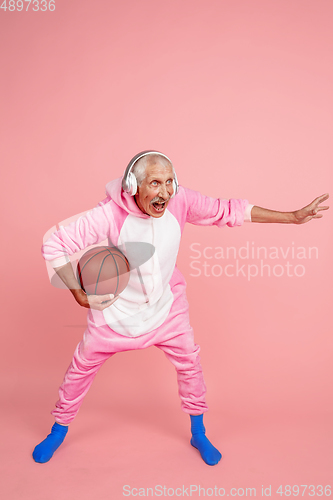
(153, 314)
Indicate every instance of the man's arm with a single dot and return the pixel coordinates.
(301, 216)
(98, 302)
(92, 228)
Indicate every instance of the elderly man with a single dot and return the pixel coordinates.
(146, 205)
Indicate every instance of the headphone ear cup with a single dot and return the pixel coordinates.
(132, 184)
(175, 188)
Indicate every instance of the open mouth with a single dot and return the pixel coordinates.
(159, 207)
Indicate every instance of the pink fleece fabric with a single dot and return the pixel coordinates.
(116, 218)
(175, 338)
(106, 220)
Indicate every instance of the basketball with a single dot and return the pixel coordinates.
(103, 270)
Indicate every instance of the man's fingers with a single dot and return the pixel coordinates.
(323, 197)
(320, 199)
(314, 205)
(104, 298)
(109, 298)
(101, 302)
(109, 302)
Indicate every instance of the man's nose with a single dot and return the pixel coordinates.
(163, 191)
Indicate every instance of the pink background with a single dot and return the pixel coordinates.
(239, 95)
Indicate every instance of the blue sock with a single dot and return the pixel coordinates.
(44, 450)
(208, 452)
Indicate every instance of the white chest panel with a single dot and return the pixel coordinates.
(147, 299)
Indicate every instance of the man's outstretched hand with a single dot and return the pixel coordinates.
(259, 214)
(311, 211)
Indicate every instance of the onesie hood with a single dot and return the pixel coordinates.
(122, 199)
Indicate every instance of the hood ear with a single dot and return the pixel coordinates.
(116, 193)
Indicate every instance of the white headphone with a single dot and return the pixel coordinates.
(129, 183)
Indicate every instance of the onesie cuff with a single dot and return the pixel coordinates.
(247, 213)
(60, 261)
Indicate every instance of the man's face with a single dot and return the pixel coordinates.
(155, 191)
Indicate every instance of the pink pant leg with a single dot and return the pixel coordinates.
(183, 354)
(99, 343)
(176, 339)
(78, 378)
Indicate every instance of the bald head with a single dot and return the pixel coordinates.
(140, 167)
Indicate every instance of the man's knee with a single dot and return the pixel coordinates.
(87, 357)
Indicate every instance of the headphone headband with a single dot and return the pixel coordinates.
(129, 184)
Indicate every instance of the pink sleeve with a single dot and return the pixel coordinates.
(89, 229)
(205, 211)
